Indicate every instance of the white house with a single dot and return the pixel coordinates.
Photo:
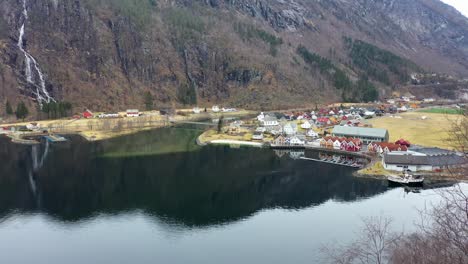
(296, 141)
(306, 125)
(337, 144)
(257, 136)
(402, 109)
(133, 113)
(226, 110)
(196, 110)
(270, 121)
(215, 108)
(290, 128)
(260, 117)
(402, 160)
(311, 133)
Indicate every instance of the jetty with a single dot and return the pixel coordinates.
(334, 162)
(55, 138)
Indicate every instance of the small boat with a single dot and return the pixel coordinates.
(406, 179)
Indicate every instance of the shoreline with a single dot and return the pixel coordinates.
(97, 129)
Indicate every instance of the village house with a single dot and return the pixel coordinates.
(215, 108)
(290, 128)
(257, 136)
(403, 142)
(306, 125)
(297, 140)
(416, 161)
(365, 134)
(311, 133)
(196, 110)
(260, 129)
(261, 117)
(337, 144)
(279, 141)
(270, 120)
(383, 147)
(275, 130)
(352, 145)
(227, 110)
(133, 113)
(87, 114)
(401, 161)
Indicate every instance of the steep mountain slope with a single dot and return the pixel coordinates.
(107, 54)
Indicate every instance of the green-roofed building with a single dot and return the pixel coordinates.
(365, 134)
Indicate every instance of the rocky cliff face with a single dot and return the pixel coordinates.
(106, 54)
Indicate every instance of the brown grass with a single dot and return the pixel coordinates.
(431, 132)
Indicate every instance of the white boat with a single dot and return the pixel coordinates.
(406, 179)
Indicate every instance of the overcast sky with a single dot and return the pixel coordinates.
(461, 5)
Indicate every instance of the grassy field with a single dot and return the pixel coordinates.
(433, 131)
(438, 110)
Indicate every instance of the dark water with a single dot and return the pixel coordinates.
(156, 197)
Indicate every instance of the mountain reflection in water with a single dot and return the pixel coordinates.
(165, 175)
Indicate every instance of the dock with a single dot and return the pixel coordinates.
(55, 138)
(332, 162)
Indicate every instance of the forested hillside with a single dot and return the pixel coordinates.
(112, 54)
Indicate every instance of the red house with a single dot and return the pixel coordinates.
(87, 114)
(403, 142)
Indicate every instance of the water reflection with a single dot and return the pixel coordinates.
(197, 187)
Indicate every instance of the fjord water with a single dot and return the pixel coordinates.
(156, 197)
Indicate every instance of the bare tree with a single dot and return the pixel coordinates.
(459, 133)
(442, 236)
(373, 245)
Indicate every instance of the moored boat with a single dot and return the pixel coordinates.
(406, 179)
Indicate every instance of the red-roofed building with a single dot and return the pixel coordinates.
(87, 114)
(384, 147)
(403, 142)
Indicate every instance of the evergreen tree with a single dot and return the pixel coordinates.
(21, 111)
(8, 108)
(148, 98)
(220, 124)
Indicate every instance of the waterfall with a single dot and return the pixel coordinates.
(32, 66)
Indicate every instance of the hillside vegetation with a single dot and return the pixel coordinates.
(115, 54)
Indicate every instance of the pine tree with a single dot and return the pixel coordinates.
(148, 98)
(21, 111)
(220, 124)
(8, 108)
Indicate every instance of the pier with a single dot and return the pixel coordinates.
(333, 162)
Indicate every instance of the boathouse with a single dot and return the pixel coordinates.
(401, 161)
(365, 134)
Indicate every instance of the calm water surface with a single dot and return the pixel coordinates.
(156, 197)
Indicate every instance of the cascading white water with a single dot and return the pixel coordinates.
(41, 92)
